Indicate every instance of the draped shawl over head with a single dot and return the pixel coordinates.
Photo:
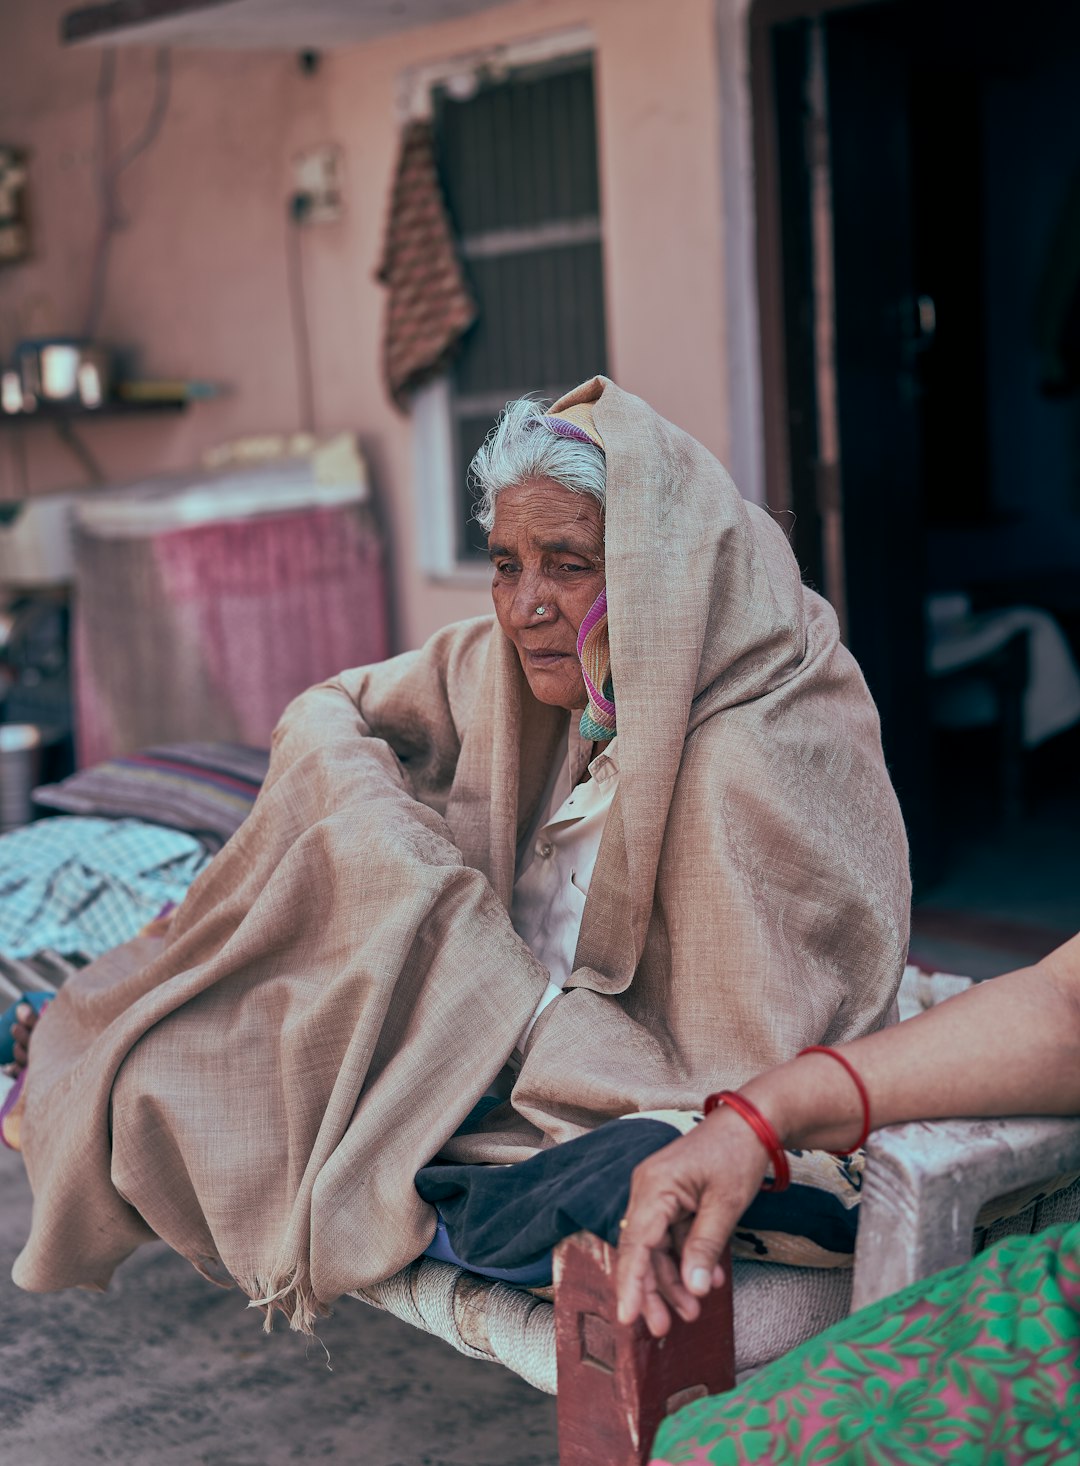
(343, 980)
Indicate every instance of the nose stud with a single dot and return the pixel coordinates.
(541, 610)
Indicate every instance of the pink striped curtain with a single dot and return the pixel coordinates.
(208, 632)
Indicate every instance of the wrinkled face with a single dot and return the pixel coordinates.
(547, 547)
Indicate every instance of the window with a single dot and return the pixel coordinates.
(518, 164)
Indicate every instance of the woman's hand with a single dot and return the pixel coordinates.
(685, 1201)
(1020, 1037)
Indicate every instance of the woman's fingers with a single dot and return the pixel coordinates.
(717, 1215)
(654, 1208)
(671, 1288)
(653, 1308)
(634, 1278)
(649, 1284)
(707, 1179)
(721, 1203)
(663, 1196)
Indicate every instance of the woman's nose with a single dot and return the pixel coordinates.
(528, 595)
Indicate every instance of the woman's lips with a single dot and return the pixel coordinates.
(545, 658)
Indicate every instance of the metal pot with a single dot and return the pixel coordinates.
(60, 369)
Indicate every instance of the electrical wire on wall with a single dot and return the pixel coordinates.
(110, 168)
(299, 207)
(19, 467)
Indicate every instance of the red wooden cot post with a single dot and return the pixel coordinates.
(616, 1382)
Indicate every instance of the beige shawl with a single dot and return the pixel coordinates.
(343, 982)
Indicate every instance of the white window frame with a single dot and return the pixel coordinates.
(435, 492)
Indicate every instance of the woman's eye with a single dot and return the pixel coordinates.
(575, 567)
(505, 567)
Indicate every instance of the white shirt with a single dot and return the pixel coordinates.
(555, 864)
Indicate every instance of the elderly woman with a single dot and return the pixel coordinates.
(630, 841)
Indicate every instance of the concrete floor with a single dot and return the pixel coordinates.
(166, 1370)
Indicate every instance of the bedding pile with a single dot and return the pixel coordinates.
(127, 839)
(205, 789)
(81, 886)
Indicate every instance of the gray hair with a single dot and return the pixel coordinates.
(523, 446)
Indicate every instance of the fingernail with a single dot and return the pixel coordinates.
(24, 1012)
(699, 1280)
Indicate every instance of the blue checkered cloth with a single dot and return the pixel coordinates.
(82, 886)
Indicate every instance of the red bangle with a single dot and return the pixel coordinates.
(762, 1129)
(856, 1079)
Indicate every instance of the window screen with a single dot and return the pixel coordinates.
(518, 163)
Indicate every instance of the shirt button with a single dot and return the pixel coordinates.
(543, 849)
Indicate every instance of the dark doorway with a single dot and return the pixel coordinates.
(919, 180)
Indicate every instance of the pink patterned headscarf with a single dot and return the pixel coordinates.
(575, 422)
(594, 653)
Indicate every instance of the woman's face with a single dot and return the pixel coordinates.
(547, 547)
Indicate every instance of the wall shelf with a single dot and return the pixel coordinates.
(71, 412)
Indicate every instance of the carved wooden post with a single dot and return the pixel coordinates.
(616, 1382)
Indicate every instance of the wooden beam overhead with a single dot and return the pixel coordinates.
(98, 21)
(318, 25)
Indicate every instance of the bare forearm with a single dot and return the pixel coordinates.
(1011, 1046)
(1006, 1047)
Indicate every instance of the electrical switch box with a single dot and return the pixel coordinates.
(317, 181)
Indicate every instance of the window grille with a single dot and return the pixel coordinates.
(518, 163)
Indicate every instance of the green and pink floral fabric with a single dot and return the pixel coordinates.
(980, 1364)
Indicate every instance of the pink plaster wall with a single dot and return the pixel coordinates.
(197, 278)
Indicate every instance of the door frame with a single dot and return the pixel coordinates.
(806, 392)
(763, 16)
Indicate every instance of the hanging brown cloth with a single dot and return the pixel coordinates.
(429, 306)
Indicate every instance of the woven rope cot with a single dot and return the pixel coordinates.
(477, 1317)
(776, 1308)
(931, 1191)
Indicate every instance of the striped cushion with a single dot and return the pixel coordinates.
(206, 789)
